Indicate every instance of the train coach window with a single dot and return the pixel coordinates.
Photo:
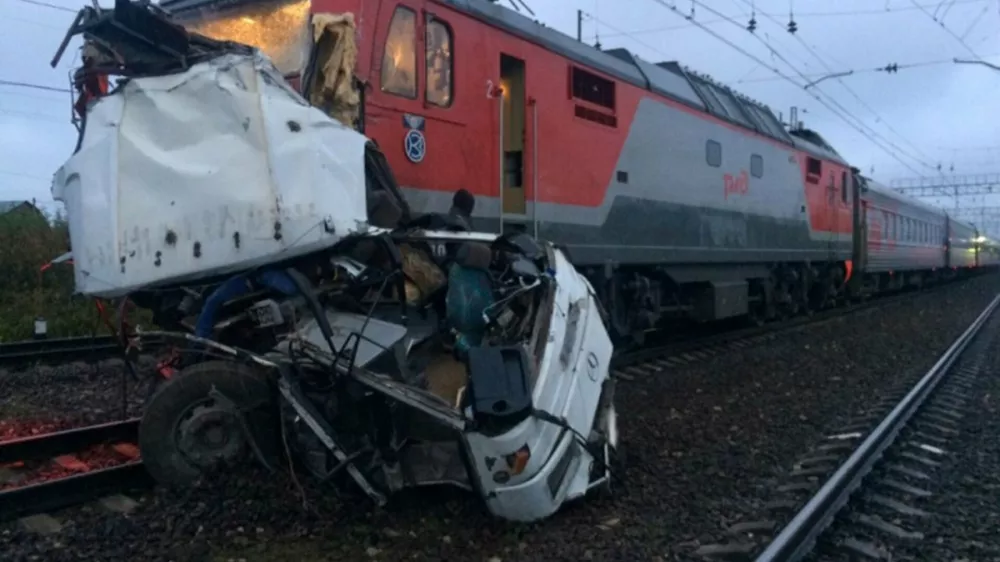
(399, 61)
(439, 64)
(756, 166)
(814, 169)
(713, 153)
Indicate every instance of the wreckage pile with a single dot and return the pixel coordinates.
(317, 325)
(705, 443)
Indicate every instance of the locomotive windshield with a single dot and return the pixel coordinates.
(279, 28)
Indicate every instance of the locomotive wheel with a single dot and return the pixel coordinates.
(188, 431)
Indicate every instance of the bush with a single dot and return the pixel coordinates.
(28, 240)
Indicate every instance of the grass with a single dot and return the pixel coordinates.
(29, 240)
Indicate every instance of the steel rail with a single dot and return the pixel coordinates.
(798, 537)
(61, 493)
(59, 350)
(56, 349)
(71, 440)
(66, 491)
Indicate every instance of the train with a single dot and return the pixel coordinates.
(675, 195)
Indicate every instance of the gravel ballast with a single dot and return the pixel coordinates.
(50, 398)
(964, 506)
(703, 443)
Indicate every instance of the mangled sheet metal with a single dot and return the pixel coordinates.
(336, 53)
(213, 169)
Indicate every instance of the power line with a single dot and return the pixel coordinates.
(878, 117)
(21, 175)
(838, 13)
(895, 66)
(34, 86)
(975, 22)
(609, 26)
(839, 111)
(47, 5)
(946, 28)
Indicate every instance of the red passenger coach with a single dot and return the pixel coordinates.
(676, 195)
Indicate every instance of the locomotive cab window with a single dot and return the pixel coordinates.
(814, 169)
(713, 153)
(439, 64)
(399, 60)
(756, 166)
(844, 187)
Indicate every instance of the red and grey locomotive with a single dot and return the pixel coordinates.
(675, 195)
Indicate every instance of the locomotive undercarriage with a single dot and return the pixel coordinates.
(641, 300)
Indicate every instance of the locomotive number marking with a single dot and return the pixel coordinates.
(737, 185)
(489, 89)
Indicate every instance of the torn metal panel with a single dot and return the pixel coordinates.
(336, 53)
(215, 169)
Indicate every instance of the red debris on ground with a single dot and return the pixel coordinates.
(63, 466)
(12, 429)
(71, 463)
(127, 450)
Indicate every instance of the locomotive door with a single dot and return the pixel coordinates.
(833, 216)
(859, 224)
(512, 135)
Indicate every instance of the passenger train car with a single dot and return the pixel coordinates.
(674, 194)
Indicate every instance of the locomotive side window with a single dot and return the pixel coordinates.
(593, 89)
(844, 189)
(713, 153)
(756, 166)
(439, 64)
(399, 61)
(814, 169)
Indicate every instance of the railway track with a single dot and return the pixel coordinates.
(859, 491)
(57, 350)
(23, 495)
(57, 470)
(54, 351)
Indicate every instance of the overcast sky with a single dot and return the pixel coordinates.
(935, 113)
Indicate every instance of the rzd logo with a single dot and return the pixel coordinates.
(738, 185)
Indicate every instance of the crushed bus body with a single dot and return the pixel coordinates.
(317, 322)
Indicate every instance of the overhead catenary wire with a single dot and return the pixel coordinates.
(864, 128)
(895, 67)
(878, 117)
(833, 106)
(975, 22)
(818, 14)
(946, 29)
(34, 86)
(49, 5)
